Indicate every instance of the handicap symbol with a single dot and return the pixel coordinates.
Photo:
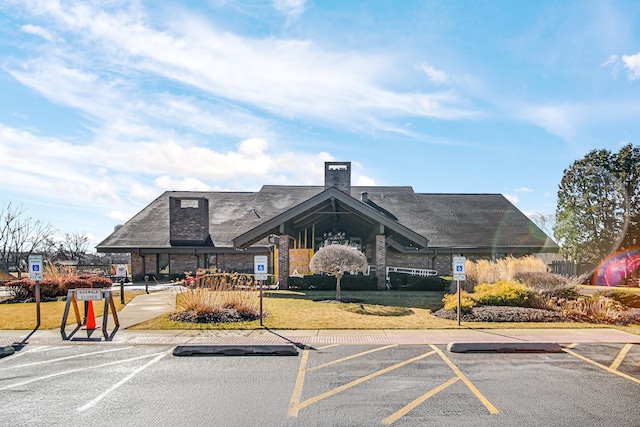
(260, 267)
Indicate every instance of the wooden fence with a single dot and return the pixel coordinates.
(565, 268)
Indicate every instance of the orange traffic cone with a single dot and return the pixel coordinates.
(91, 318)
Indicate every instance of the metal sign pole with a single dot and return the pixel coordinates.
(261, 312)
(37, 292)
(459, 310)
(459, 273)
(36, 274)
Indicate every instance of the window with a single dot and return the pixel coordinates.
(163, 263)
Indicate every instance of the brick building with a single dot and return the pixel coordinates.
(394, 226)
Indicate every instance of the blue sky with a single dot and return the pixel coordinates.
(106, 104)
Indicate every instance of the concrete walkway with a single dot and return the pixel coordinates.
(145, 307)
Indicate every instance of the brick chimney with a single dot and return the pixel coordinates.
(189, 221)
(338, 174)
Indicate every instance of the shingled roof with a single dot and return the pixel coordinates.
(450, 222)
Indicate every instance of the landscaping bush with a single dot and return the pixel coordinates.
(20, 290)
(626, 298)
(216, 302)
(594, 309)
(49, 289)
(547, 298)
(97, 281)
(485, 271)
(74, 283)
(406, 282)
(502, 293)
(320, 282)
(466, 302)
(539, 280)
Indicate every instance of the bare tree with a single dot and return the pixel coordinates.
(337, 260)
(75, 244)
(21, 237)
(546, 222)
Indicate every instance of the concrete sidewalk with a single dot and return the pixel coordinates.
(148, 306)
(323, 337)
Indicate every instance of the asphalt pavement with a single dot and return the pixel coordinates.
(148, 306)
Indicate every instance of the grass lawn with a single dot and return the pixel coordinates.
(374, 310)
(22, 316)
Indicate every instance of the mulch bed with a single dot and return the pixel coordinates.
(503, 314)
(522, 314)
(223, 316)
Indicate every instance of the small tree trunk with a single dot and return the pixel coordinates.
(338, 277)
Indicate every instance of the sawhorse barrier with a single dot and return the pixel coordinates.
(88, 296)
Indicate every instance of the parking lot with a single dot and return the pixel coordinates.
(340, 385)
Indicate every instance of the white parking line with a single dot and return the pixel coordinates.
(124, 380)
(23, 352)
(46, 362)
(71, 371)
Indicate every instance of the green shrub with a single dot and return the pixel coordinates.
(398, 280)
(406, 282)
(537, 281)
(321, 282)
(466, 302)
(566, 292)
(502, 293)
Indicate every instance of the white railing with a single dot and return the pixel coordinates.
(411, 271)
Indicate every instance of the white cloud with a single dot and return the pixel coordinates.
(118, 216)
(123, 177)
(142, 193)
(513, 199)
(289, 78)
(558, 120)
(435, 75)
(632, 63)
(364, 181)
(612, 60)
(567, 120)
(119, 108)
(38, 31)
(292, 8)
(168, 183)
(523, 190)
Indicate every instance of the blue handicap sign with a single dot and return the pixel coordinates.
(260, 267)
(458, 268)
(35, 268)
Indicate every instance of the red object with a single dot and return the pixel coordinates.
(91, 318)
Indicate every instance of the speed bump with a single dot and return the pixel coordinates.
(235, 350)
(504, 347)
(6, 351)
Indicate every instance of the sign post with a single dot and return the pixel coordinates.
(35, 274)
(260, 274)
(459, 273)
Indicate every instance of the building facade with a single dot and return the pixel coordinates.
(393, 226)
